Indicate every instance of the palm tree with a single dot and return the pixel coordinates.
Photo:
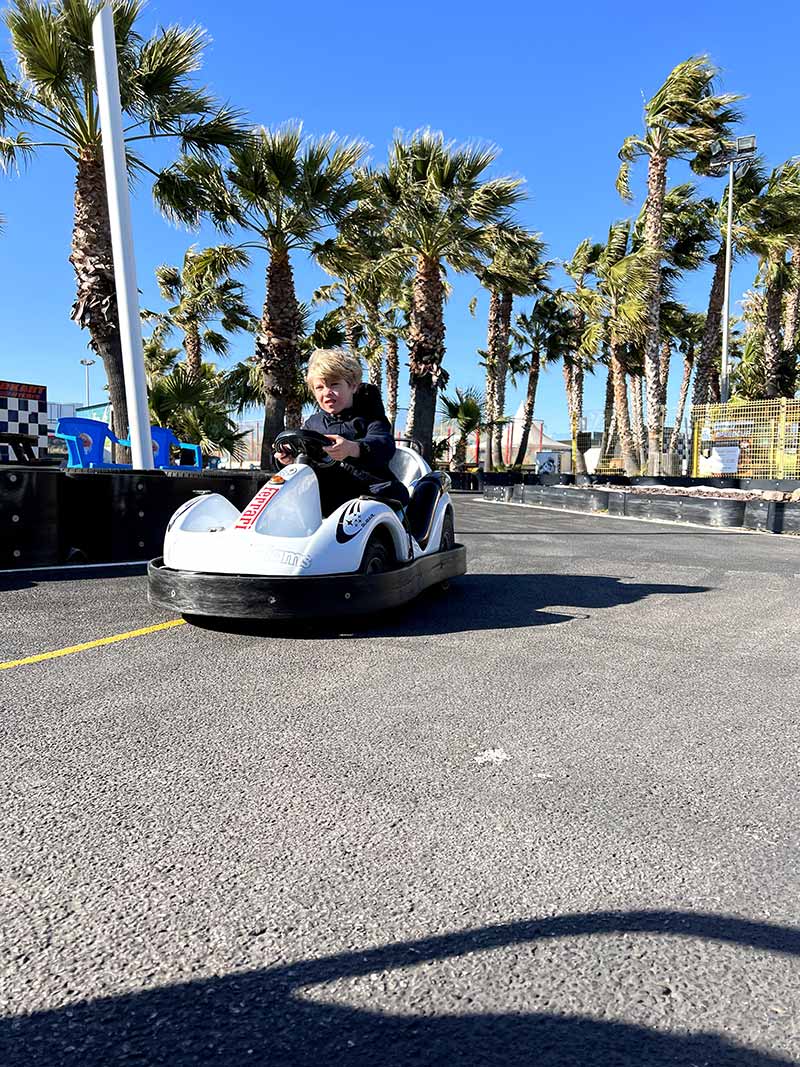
(202, 294)
(681, 120)
(440, 210)
(55, 98)
(576, 361)
(395, 322)
(748, 184)
(791, 321)
(768, 227)
(285, 189)
(687, 231)
(688, 330)
(617, 311)
(351, 257)
(466, 410)
(541, 336)
(515, 268)
(243, 385)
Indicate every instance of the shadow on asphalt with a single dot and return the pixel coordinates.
(261, 1017)
(473, 602)
(28, 579)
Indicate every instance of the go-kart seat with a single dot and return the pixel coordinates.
(422, 507)
(407, 466)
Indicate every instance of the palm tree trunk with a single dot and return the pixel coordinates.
(191, 345)
(506, 304)
(621, 411)
(608, 413)
(95, 307)
(663, 372)
(710, 344)
(351, 330)
(654, 212)
(426, 352)
(527, 411)
(637, 416)
(492, 334)
(577, 400)
(460, 454)
(688, 363)
(293, 414)
(277, 348)
(773, 349)
(375, 369)
(392, 375)
(714, 389)
(792, 313)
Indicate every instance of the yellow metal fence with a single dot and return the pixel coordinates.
(757, 439)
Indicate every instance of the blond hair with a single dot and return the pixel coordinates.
(332, 365)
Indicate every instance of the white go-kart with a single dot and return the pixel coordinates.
(280, 558)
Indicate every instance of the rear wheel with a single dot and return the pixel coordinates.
(447, 541)
(377, 558)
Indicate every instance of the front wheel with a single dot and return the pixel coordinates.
(377, 558)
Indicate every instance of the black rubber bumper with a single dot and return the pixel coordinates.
(246, 596)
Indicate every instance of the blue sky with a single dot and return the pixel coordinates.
(556, 87)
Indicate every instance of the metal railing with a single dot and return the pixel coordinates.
(756, 439)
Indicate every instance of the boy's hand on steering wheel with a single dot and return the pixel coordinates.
(341, 448)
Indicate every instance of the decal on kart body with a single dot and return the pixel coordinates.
(352, 521)
(256, 506)
(288, 559)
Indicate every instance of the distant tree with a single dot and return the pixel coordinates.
(682, 120)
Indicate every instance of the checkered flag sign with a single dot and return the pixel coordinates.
(23, 410)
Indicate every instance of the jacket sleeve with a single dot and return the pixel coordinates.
(377, 445)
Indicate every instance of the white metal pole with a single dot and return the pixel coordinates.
(87, 384)
(119, 211)
(724, 384)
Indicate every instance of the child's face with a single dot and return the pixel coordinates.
(334, 396)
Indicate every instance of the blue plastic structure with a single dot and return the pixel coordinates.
(164, 439)
(85, 439)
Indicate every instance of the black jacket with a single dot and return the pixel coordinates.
(365, 421)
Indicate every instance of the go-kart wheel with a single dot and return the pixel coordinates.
(448, 539)
(377, 558)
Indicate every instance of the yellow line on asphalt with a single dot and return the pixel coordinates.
(91, 644)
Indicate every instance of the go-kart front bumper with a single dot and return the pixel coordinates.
(247, 596)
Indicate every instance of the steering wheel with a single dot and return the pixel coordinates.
(305, 442)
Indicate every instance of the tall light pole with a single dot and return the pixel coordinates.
(87, 363)
(119, 212)
(729, 155)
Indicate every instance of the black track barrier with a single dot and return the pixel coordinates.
(760, 515)
(616, 503)
(705, 511)
(773, 516)
(118, 516)
(29, 509)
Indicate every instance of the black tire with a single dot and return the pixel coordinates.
(448, 539)
(378, 557)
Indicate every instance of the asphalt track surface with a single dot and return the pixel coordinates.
(259, 848)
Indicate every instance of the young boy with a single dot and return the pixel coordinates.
(352, 415)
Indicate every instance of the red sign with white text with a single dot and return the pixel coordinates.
(23, 391)
(256, 506)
